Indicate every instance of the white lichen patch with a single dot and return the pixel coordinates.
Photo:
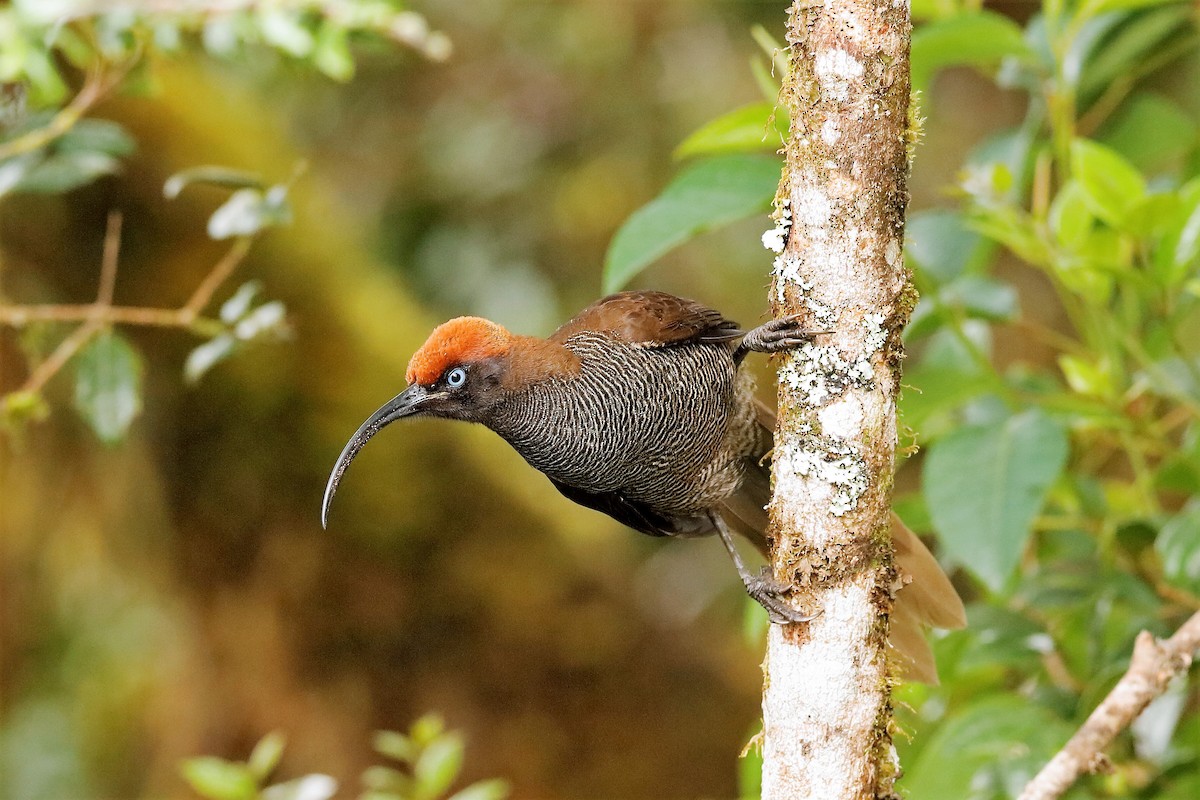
(830, 133)
(832, 461)
(876, 334)
(786, 269)
(819, 373)
(776, 238)
(892, 254)
(837, 71)
(812, 209)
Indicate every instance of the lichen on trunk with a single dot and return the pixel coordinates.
(840, 214)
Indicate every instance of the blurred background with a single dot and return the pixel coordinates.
(175, 595)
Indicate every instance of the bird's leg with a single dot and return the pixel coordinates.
(775, 336)
(763, 587)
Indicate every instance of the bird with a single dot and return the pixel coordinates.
(639, 407)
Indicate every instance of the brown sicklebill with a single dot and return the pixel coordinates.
(637, 407)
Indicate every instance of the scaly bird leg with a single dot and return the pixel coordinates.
(774, 336)
(763, 587)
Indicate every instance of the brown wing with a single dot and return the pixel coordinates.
(650, 318)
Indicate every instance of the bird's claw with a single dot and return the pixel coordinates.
(770, 594)
(777, 335)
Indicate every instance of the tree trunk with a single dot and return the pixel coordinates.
(840, 210)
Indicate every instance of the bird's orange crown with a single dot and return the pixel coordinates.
(461, 340)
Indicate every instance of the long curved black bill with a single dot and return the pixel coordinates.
(405, 404)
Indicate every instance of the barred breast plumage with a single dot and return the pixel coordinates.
(665, 425)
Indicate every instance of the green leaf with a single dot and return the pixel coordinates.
(1128, 5)
(236, 306)
(46, 85)
(941, 246)
(213, 175)
(999, 170)
(13, 171)
(207, 355)
(998, 638)
(1111, 185)
(66, 170)
(1179, 248)
(438, 765)
(992, 748)
(284, 29)
(267, 318)
(1150, 217)
(981, 297)
(266, 754)
(977, 39)
(387, 779)
(395, 745)
(705, 196)
(494, 789)
(1070, 218)
(1174, 377)
(970, 297)
(1090, 274)
(1178, 545)
(97, 135)
(218, 779)
(943, 380)
(1087, 377)
(749, 129)
(1150, 131)
(1184, 787)
(247, 211)
(221, 35)
(309, 787)
(984, 486)
(1123, 52)
(108, 386)
(332, 55)
(20, 407)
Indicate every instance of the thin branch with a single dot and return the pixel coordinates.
(102, 313)
(1151, 669)
(61, 355)
(108, 262)
(218, 275)
(94, 321)
(20, 316)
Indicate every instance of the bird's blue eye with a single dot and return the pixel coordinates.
(456, 377)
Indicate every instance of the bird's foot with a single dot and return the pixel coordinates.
(777, 335)
(770, 594)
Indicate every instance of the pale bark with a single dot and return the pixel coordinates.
(826, 702)
(1151, 669)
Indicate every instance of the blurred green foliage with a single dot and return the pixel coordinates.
(173, 595)
(1054, 388)
(1058, 481)
(48, 146)
(431, 755)
(1064, 486)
